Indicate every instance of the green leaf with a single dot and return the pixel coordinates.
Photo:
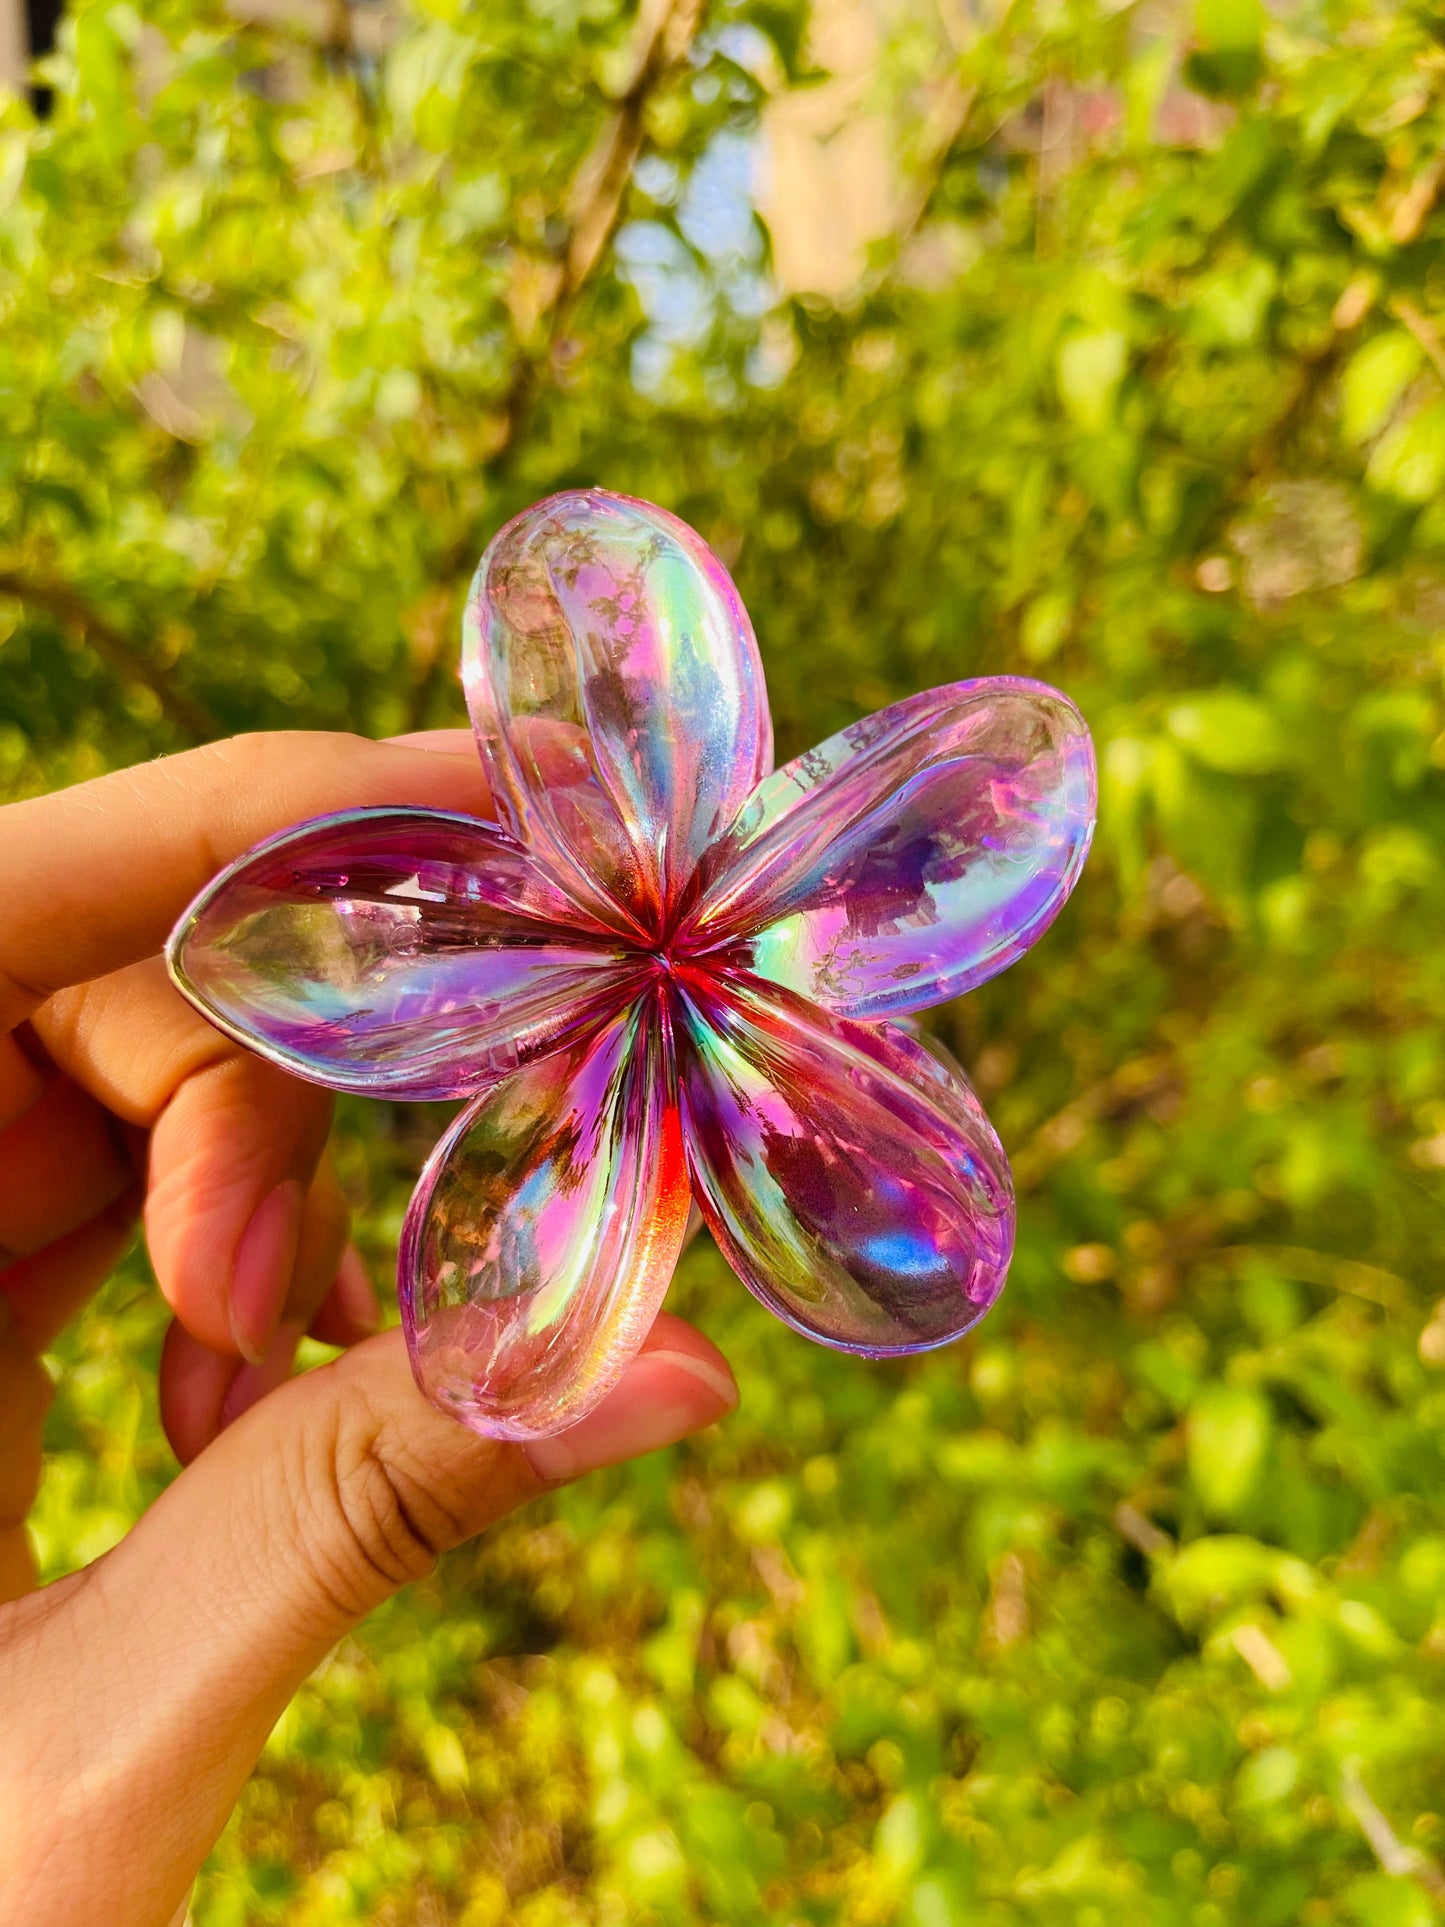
(1383, 1900)
(1228, 57)
(1214, 1574)
(1375, 377)
(1409, 460)
(1228, 309)
(1089, 368)
(1229, 25)
(1229, 1433)
(1230, 731)
(1269, 1776)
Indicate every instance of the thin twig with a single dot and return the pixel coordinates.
(185, 714)
(1348, 1275)
(1418, 202)
(594, 199)
(947, 126)
(14, 45)
(1388, 1848)
(1261, 1656)
(593, 204)
(601, 182)
(1424, 332)
(950, 122)
(1141, 1532)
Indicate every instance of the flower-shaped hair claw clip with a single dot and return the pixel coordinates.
(663, 972)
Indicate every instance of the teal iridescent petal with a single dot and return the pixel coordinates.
(617, 696)
(912, 856)
(850, 1178)
(402, 953)
(542, 1237)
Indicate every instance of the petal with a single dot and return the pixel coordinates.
(850, 1178)
(406, 953)
(913, 855)
(544, 1232)
(616, 691)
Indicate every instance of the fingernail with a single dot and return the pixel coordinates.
(662, 1398)
(261, 1273)
(353, 1292)
(252, 1382)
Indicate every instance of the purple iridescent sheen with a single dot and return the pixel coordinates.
(663, 973)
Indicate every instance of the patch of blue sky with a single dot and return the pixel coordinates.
(668, 280)
(717, 213)
(716, 255)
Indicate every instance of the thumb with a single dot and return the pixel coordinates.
(186, 1642)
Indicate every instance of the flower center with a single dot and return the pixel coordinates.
(680, 969)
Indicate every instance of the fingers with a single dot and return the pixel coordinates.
(38, 1295)
(61, 1162)
(193, 1383)
(61, 1159)
(240, 1239)
(348, 1483)
(25, 1394)
(93, 877)
(325, 1221)
(445, 742)
(22, 1081)
(202, 1391)
(236, 1220)
(310, 1510)
(42, 1293)
(349, 1312)
(18, 1574)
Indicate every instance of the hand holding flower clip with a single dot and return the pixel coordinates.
(663, 972)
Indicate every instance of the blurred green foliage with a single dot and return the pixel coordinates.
(1131, 1609)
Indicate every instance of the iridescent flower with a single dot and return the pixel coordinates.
(663, 973)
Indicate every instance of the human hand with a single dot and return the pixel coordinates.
(138, 1692)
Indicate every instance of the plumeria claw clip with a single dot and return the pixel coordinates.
(665, 971)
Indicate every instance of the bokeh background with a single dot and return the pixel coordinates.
(1095, 341)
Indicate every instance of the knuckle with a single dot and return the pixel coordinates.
(258, 752)
(383, 1530)
(390, 1531)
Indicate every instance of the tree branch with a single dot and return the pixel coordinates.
(183, 712)
(664, 33)
(1424, 332)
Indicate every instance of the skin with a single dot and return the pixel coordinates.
(138, 1692)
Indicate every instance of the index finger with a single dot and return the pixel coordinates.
(92, 878)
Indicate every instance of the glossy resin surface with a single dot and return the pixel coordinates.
(664, 971)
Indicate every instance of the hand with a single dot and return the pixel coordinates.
(138, 1692)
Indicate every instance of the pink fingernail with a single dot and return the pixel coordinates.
(253, 1382)
(662, 1398)
(353, 1292)
(261, 1272)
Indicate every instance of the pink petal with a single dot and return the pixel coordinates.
(849, 1176)
(543, 1234)
(913, 855)
(407, 953)
(617, 695)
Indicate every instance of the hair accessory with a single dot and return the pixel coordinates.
(663, 972)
